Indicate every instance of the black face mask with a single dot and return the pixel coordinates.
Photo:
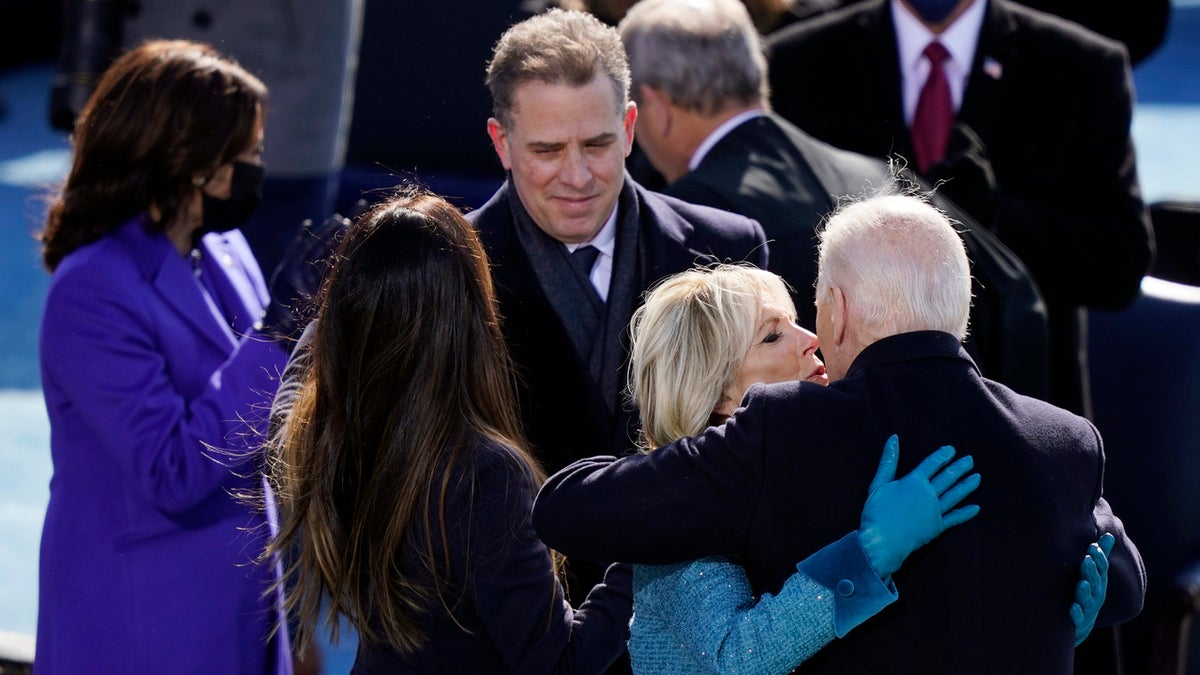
(933, 11)
(245, 191)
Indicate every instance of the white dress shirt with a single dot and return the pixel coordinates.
(960, 39)
(605, 242)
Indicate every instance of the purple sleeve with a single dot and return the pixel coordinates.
(101, 350)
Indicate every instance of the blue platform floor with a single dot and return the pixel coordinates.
(33, 157)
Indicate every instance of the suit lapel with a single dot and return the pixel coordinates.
(179, 289)
(533, 327)
(230, 279)
(995, 53)
(820, 162)
(664, 236)
(171, 277)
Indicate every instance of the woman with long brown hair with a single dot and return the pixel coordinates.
(405, 485)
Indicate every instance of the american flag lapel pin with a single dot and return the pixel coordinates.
(992, 67)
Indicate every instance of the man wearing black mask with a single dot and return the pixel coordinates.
(1025, 117)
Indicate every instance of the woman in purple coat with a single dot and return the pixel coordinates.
(157, 364)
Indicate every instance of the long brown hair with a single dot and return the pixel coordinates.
(408, 370)
(165, 113)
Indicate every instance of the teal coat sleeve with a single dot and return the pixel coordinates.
(702, 616)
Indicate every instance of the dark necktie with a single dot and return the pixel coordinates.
(583, 258)
(935, 111)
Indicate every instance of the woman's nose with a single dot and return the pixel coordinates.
(808, 341)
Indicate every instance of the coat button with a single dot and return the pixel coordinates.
(202, 19)
(845, 588)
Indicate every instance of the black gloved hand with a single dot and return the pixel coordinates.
(298, 277)
(965, 174)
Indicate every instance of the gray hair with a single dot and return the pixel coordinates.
(900, 262)
(704, 54)
(688, 342)
(556, 47)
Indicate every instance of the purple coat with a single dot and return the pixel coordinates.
(147, 562)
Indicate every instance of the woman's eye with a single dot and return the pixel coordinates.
(772, 336)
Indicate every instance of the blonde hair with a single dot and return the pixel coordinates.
(688, 343)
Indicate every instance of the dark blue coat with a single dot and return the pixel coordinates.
(509, 614)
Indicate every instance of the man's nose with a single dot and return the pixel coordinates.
(575, 171)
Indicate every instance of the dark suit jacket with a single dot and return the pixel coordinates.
(1054, 115)
(790, 471)
(562, 414)
(771, 171)
(510, 615)
(764, 169)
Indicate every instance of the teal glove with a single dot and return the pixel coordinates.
(1092, 587)
(903, 515)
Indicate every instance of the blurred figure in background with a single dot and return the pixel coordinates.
(305, 51)
(1025, 116)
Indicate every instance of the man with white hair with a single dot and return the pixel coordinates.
(782, 476)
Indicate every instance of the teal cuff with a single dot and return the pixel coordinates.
(858, 593)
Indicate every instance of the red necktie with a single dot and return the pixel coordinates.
(935, 111)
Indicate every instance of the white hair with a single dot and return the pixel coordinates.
(900, 263)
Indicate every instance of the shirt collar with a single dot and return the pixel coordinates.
(960, 38)
(606, 239)
(720, 132)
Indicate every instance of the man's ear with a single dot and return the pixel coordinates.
(499, 142)
(631, 115)
(839, 314)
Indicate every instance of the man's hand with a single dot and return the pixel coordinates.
(965, 174)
